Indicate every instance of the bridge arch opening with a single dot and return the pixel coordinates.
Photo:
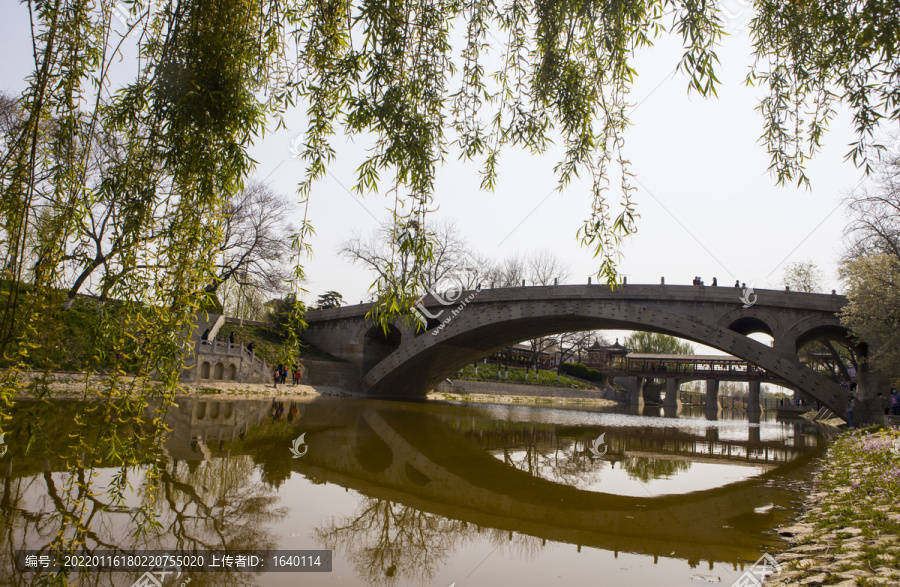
(837, 334)
(762, 337)
(219, 371)
(830, 351)
(204, 370)
(755, 329)
(378, 344)
(748, 325)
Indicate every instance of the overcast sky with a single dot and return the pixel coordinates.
(707, 205)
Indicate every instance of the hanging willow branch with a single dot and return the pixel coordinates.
(211, 75)
(388, 68)
(184, 124)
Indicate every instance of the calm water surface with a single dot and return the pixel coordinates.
(429, 494)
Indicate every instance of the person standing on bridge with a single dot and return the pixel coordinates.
(895, 403)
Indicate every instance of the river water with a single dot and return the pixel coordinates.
(436, 493)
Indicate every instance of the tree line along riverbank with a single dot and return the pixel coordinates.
(520, 376)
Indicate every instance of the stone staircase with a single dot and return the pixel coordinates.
(220, 360)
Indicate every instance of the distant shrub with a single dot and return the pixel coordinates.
(581, 371)
(518, 375)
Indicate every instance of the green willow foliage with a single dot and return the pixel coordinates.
(211, 73)
(388, 68)
(813, 56)
(185, 123)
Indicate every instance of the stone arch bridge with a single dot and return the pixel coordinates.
(404, 362)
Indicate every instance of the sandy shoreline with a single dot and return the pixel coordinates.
(518, 399)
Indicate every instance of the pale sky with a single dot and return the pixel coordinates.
(707, 204)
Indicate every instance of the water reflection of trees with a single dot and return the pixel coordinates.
(388, 542)
(646, 469)
(563, 462)
(570, 465)
(36, 510)
(213, 505)
(216, 505)
(545, 453)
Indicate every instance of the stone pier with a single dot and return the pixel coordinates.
(635, 387)
(712, 396)
(673, 393)
(753, 397)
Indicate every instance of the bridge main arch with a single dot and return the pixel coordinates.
(429, 358)
(713, 316)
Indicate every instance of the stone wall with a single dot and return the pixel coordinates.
(332, 374)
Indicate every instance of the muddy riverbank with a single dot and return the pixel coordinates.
(77, 385)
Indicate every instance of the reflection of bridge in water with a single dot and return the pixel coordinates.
(438, 469)
(413, 455)
(197, 423)
(667, 443)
